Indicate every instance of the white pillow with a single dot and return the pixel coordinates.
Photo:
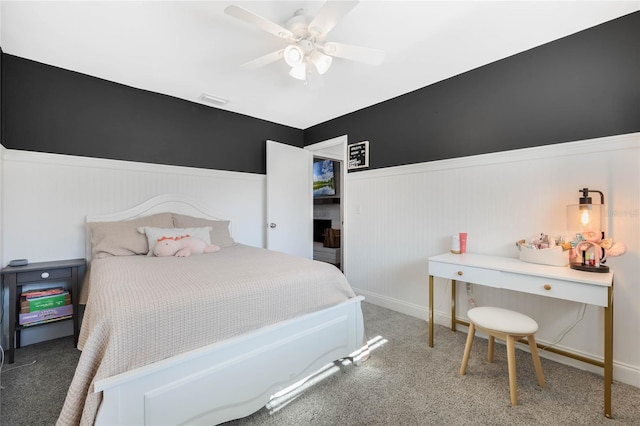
(154, 234)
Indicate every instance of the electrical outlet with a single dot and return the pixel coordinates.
(469, 288)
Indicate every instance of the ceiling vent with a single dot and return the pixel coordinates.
(216, 100)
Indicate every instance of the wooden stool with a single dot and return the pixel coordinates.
(508, 326)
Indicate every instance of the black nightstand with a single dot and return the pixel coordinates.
(14, 277)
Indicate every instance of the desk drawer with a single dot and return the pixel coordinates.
(470, 274)
(567, 290)
(49, 274)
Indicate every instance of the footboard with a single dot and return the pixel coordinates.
(234, 378)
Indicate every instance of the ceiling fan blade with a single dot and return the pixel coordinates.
(258, 21)
(263, 60)
(329, 15)
(354, 53)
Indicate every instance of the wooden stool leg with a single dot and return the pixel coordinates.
(511, 361)
(492, 340)
(467, 349)
(536, 360)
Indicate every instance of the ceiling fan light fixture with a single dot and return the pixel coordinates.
(299, 72)
(321, 61)
(293, 56)
(306, 51)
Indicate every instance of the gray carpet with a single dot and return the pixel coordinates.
(404, 382)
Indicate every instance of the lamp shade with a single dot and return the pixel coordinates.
(321, 61)
(299, 72)
(585, 218)
(293, 56)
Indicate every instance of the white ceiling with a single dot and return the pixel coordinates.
(185, 49)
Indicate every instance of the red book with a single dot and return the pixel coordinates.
(32, 294)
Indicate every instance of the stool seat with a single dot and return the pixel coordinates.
(509, 326)
(502, 320)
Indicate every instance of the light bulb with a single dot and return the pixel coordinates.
(585, 217)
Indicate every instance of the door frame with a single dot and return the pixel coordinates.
(336, 149)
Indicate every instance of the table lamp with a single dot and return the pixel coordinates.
(588, 220)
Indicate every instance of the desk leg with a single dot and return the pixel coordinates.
(608, 353)
(430, 311)
(453, 305)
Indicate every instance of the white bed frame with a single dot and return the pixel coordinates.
(230, 379)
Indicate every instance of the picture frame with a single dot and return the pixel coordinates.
(358, 155)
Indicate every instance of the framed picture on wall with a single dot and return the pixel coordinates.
(358, 155)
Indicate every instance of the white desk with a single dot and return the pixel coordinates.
(592, 288)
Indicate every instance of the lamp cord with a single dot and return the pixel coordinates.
(470, 301)
(562, 335)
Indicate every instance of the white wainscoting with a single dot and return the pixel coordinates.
(46, 197)
(399, 216)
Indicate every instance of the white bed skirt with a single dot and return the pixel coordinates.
(233, 378)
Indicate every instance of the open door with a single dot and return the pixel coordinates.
(289, 200)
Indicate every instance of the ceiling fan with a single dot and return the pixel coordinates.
(307, 52)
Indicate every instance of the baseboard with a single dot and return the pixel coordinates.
(622, 372)
(397, 305)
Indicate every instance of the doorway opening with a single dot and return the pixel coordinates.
(329, 202)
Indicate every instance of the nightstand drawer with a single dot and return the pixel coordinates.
(470, 274)
(48, 274)
(566, 290)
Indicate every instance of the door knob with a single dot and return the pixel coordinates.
(272, 225)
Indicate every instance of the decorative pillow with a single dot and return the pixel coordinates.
(220, 234)
(122, 238)
(154, 234)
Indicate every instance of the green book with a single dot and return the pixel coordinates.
(47, 302)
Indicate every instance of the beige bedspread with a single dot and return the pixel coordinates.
(144, 309)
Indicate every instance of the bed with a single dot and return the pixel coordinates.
(202, 339)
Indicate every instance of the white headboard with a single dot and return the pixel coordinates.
(173, 203)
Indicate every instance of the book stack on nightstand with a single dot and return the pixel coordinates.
(44, 305)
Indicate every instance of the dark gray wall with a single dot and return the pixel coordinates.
(583, 86)
(49, 109)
